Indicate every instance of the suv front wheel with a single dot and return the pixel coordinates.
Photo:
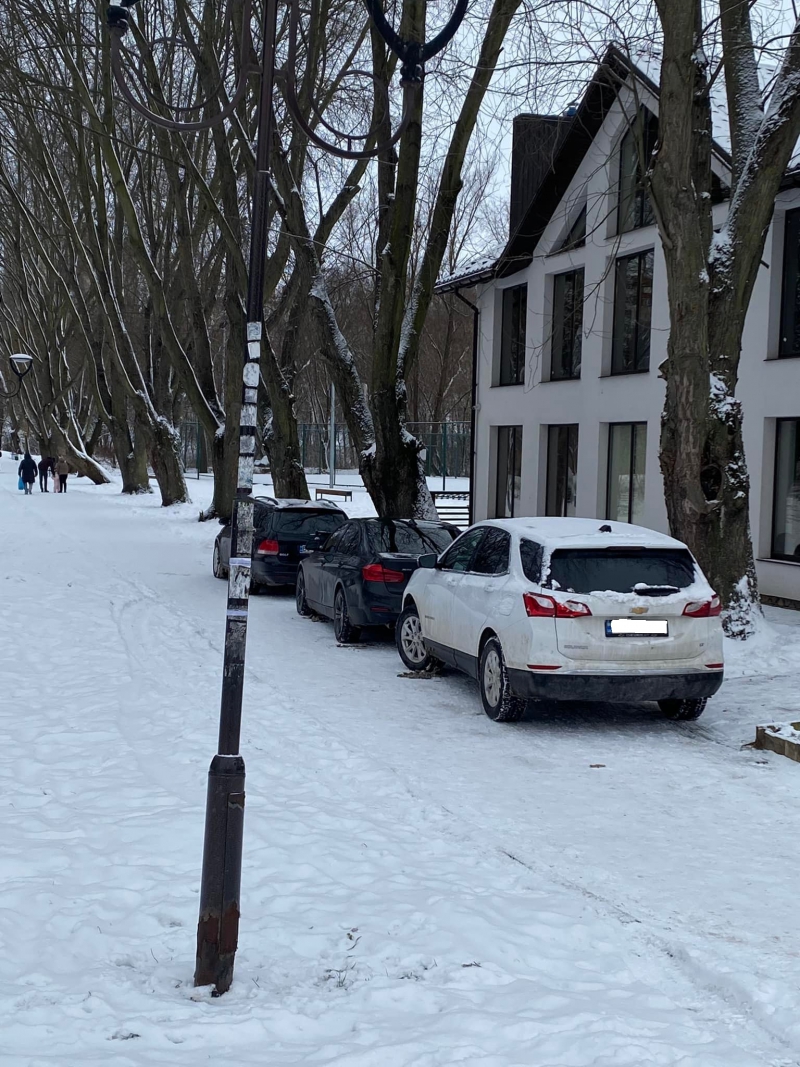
(410, 642)
(499, 702)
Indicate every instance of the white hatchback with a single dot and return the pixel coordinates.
(567, 609)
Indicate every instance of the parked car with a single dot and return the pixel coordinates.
(283, 532)
(358, 577)
(567, 609)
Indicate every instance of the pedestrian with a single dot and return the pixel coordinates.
(45, 465)
(27, 472)
(62, 470)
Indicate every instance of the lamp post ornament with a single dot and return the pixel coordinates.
(218, 923)
(20, 365)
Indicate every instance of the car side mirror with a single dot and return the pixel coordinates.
(428, 561)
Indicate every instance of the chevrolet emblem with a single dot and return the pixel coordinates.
(639, 611)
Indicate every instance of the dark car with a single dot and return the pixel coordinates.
(283, 532)
(358, 576)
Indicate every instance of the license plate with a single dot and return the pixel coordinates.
(303, 550)
(636, 628)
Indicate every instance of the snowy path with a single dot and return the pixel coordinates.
(421, 886)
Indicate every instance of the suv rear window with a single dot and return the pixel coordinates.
(305, 523)
(649, 571)
(386, 535)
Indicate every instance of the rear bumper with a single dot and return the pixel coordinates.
(277, 573)
(616, 688)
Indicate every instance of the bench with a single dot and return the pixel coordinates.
(323, 491)
(452, 507)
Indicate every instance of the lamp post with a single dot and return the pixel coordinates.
(20, 365)
(218, 924)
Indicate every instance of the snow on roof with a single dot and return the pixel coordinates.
(584, 533)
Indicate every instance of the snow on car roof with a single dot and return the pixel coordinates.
(584, 533)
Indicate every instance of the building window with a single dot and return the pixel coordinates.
(633, 305)
(790, 295)
(509, 471)
(636, 147)
(565, 359)
(576, 235)
(512, 336)
(786, 498)
(562, 469)
(627, 443)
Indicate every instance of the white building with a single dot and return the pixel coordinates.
(573, 324)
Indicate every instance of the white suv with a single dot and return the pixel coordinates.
(567, 609)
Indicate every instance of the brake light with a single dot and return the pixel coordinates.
(268, 548)
(703, 609)
(539, 606)
(376, 572)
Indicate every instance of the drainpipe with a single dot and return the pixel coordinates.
(476, 313)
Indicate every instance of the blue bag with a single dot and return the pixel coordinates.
(21, 483)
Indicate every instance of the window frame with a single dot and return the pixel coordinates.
(514, 451)
(572, 377)
(516, 368)
(791, 219)
(641, 205)
(631, 469)
(561, 426)
(616, 335)
(783, 557)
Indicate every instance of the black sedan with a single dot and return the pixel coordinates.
(283, 532)
(358, 576)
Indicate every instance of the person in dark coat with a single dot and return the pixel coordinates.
(45, 466)
(27, 472)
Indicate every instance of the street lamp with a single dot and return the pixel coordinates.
(218, 924)
(20, 365)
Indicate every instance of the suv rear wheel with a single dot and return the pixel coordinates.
(343, 629)
(683, 710)
(499, 702)
(409, 641)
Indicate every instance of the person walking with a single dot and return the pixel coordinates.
(45, 465)
(62, 470)
(27, 472)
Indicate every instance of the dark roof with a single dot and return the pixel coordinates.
(600, 94)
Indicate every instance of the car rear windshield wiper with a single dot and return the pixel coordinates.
(655, 590)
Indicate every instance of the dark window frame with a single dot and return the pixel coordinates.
(634, 206)
(631, 471)
(641, 352)
(512, 453)
(576, 234)
(774, 554)
(568, 426)
(791, 244)
(475, 530)
(513, 335)
(576, 331)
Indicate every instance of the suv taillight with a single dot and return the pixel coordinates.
(539, 606)
(376, 572)
(268, 548)
(703, 609)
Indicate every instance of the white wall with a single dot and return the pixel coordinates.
(768, 388)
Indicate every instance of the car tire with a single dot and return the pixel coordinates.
(683, 710)
(499, 702)
(300, 596)
(409, 641)
(219, 571)
(343, 629)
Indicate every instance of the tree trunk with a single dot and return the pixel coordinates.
(165, 459)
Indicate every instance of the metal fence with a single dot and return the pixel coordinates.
(446, 447)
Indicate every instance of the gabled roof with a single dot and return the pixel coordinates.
(601, 92)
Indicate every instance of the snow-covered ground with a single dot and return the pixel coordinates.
(592, 888)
